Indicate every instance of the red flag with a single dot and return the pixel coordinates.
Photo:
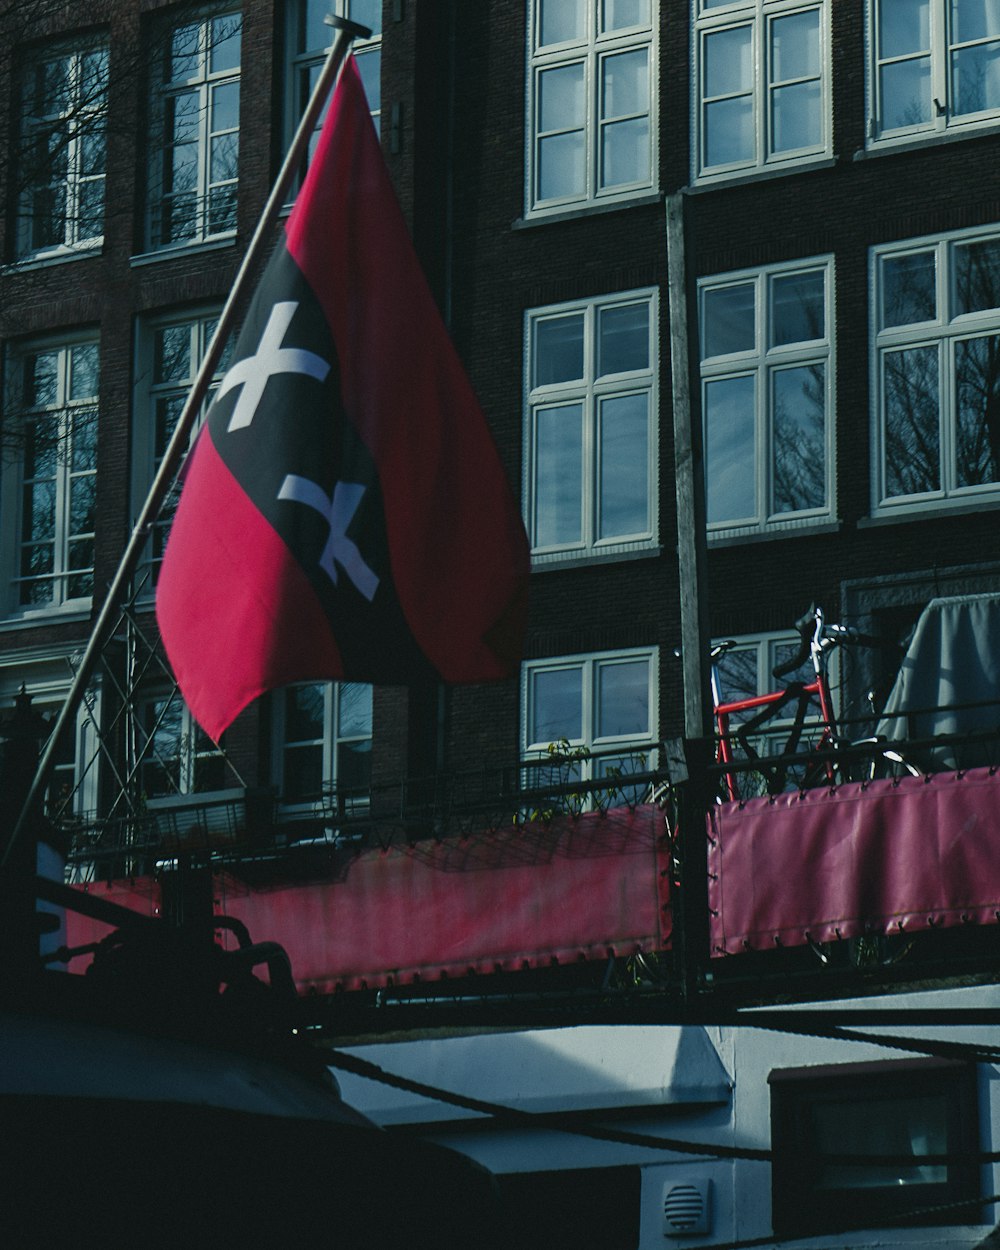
(344, 512)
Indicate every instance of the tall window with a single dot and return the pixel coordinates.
(592, 88)
(935, 66)
(169, 350)
(590, 442)
(323, 739)
(195, 116)
(44, 675)
(308, 40)
(47, 505)
(937, 348)
(763, 84)
(175, 755)
(767, 376)
(598, 712)
(62, 150)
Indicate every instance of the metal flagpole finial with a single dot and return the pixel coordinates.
(354, 29)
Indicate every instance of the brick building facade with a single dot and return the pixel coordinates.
(844, 212)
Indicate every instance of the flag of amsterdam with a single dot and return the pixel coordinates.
(344, 511)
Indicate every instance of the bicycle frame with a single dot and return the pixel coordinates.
(766, 706)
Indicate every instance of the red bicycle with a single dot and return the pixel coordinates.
(743, 724)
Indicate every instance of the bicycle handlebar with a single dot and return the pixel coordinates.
(805, 626)
(810, 627)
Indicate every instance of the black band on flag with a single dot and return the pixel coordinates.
(278, 423)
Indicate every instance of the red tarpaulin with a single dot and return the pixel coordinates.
(825, 864)
(561, 890)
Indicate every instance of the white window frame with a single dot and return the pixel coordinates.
(590, 51)
(66, 472)
(81, 119)
(203, 83)
(347, 800)
(590, 392)
(942, 121)
(770, 648)
(590, 664)
(763, 362)
(304, 60)
(147, 393)
(46, 675)
(942, 333)
(194, 745)
(758, 16)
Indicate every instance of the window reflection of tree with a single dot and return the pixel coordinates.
(798, 419)
(800, 444)
(911, 421)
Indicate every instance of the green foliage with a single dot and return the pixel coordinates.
(561, 767)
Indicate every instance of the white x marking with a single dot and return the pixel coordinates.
(252, 372)
(338, 513)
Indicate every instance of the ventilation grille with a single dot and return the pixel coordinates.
(686, 1208)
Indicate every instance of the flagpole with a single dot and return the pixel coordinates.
(174, 454)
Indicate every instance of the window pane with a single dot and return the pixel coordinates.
(977, 276)
(561, 97)
(354, 710)
(799, 431)
(313, 30)
(912, 434)
(623, 339)
(561, 166)
(556, 705)
(370, 68)
(558, 481)
(904, 27)
(976, 78)
(83, 372)
(901, 1127)
(366, 13)
(795, 46)
(625, 152)
(303, 770)
(737, 671)
(225, 40)
(182, 56)
(729, 137)
(796, 121)
(906, 93)
(974, 19)
(354, 765)
(797, 308)
(909, 289)
(619, 14)
(624, 432)
(729, 450)
(622, 698)
(558, 350)
(729, 320)
(305, 712)
(560, 21)
(977, 441)
(625, 84)
(226, 106)
(84, 439)
(729, 62)
(42, 380)
(172, 353)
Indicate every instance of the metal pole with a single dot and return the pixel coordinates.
(346, 31)
(691, 929)
(689, 484)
